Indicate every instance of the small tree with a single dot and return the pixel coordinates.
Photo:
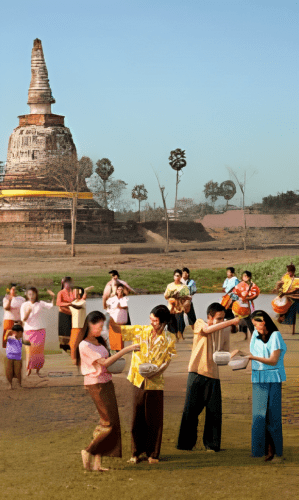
(105, 170)
(227, 189)
(113, 193)
(139, 193)
(211, 190)
(85, 171)
(177, 161)
(242, 186)
(162, 190)
(69, 175)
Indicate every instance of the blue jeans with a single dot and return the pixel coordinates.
(266, 418)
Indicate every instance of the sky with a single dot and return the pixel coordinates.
(136, 79)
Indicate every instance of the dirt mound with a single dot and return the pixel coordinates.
(182, 231)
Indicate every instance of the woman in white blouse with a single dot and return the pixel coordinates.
(11, 304)
(34, 317)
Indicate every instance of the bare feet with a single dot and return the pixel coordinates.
(86, 459)
(28, 373)
(97, 464)
(9, 387)
(277, 460)
(153, 460)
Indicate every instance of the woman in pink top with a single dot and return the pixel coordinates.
(93, 356)
(33, 315)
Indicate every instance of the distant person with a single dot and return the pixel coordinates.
(111, 288)
(34, 317)
(267, 349)
(203, 384)
(118, 311)
(78, 312)
(186, 280)
(12, 305)
(228, 285)
(93, 356)
(179, 301)
(13, 360)
(247, 292)
(289, 286)
(65, 298)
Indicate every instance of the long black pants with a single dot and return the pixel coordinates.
(177, 321)
(249, 324)
(201, 392)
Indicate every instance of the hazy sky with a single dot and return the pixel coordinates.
(137, 78)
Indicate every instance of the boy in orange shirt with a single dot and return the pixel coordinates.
(203, 385)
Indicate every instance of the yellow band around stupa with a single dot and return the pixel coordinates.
(10, 193)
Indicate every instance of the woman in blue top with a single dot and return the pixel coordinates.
(267, 349)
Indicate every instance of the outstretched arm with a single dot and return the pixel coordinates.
(272, 361)
(109, 361)
(87, 290)
(127, 331)
(52, 295)
(219, 326)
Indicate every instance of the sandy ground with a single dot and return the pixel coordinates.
(59, 400)
(16, 262)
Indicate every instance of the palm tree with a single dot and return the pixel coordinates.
(139, 193)
(177, 161)
(105, 170)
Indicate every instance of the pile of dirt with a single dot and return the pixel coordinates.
(183, 231)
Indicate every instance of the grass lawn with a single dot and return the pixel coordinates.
(265, 275)
(47, 466)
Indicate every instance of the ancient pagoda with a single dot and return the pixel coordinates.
(39, 145)
(41, 137)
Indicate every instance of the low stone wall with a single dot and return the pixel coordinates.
(26, 232)
(105, 233)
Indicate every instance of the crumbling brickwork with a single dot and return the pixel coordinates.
(31, 149)
(37, 148)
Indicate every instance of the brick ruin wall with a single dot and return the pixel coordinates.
(30, 150)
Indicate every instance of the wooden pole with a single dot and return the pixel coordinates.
(73, 222)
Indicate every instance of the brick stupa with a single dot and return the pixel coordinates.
(40, 142)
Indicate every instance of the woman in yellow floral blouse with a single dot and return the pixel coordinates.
(157, 346)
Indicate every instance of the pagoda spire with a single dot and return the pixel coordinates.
(40, 95)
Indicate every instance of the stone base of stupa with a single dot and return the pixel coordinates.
(48, 221)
